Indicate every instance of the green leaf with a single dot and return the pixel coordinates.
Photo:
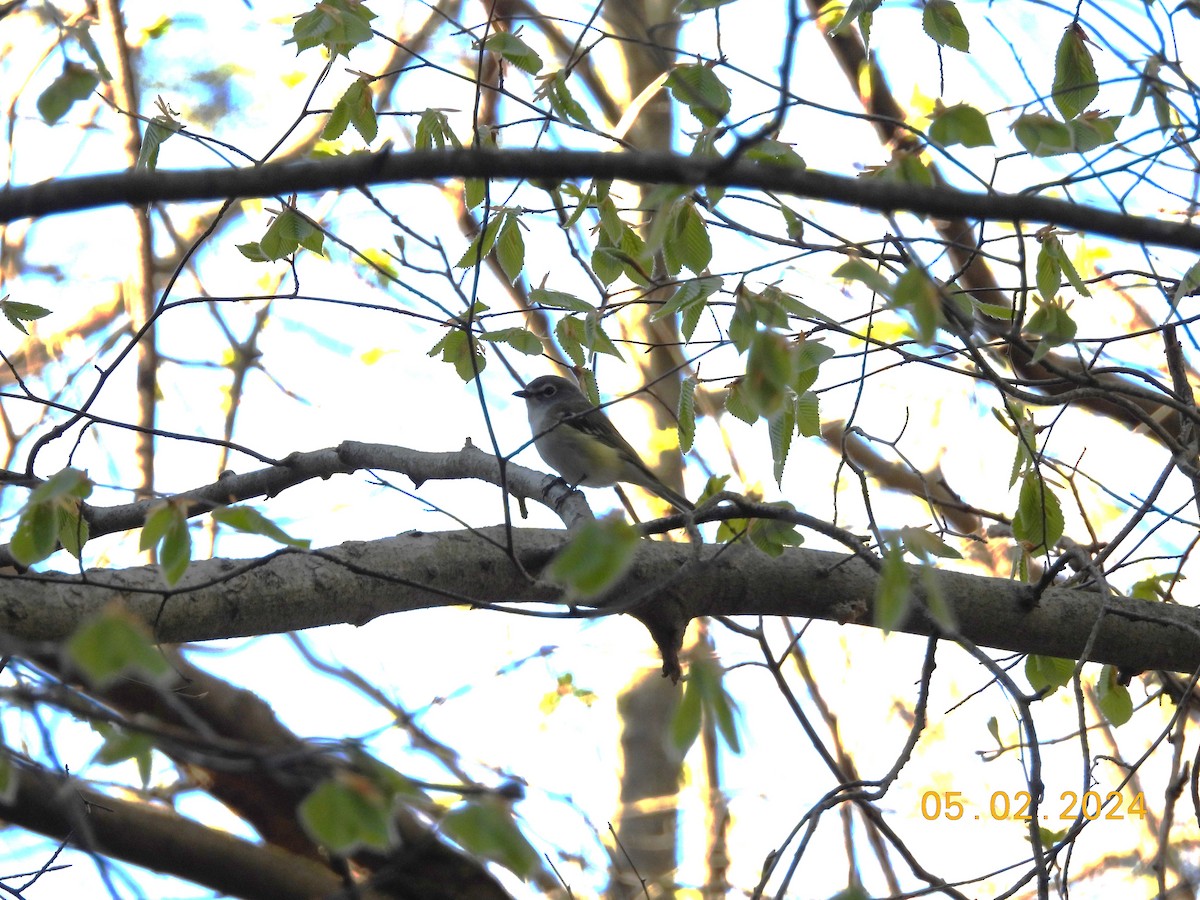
(606, 263)
(559, 300)
(158, 130)
(554, 89)
(51, 515)
(36, 536)
(485, 828)
(434, 132)
(1052, 247)
(18, 313)
(743, 324)
(73, 529)
(1043, 135)
(793, 222)
(1156, 587)
(612, 226)
(809, 354)
(1151, 85)
(737, 404)
(8, 780)
(961, 124)
(510, 248)
(686, 414)
(690, 299)
(994, 310)
(781, 427)
(1054, 325)
(248, 520)
(687, 7)
(938, 607)
(112, 644)
(74, 84)
(924, 544)
(482, 243)
(1049, 272)
(1039, 519)
(1048, 673)
(685, 723)
(770, 371)
(893, 591)
(773, 536)
(808, 414)
(1023, 458)
(594, 337)
(1090, 131)
(596, 556)
(166, 528)
(686, 241)
(120, 745)
(916, 293)
(943, 22)
(587, 384)
(704, 697)
(515, 50)
(993, 727)
(856, 269)
(284, 236)
(64, 484)
(175, 551)
(252, 252)
(860, 11)
(699, 89)
(712, 487)
(456, 349)
(1053, 264)
(474, 191)
(905, 167)
(83, 36)
(338, 121)
(337, 25)
(707, 678)
(569, 332)
(345, 817)
(311, 239)
(521, 339)
(630, 254)
(777, 153)
(1113, 697)
(355, 107)
(1188, 284)
(1075, 84)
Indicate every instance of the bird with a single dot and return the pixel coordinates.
(578, 441)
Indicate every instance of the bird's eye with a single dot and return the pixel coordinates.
(549, 391)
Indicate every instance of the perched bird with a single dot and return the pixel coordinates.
(579, 442)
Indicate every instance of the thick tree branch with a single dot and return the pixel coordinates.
(349, 456)
(159, 839)
(357, 582)
(70, 194)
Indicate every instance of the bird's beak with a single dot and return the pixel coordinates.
(521, 393)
